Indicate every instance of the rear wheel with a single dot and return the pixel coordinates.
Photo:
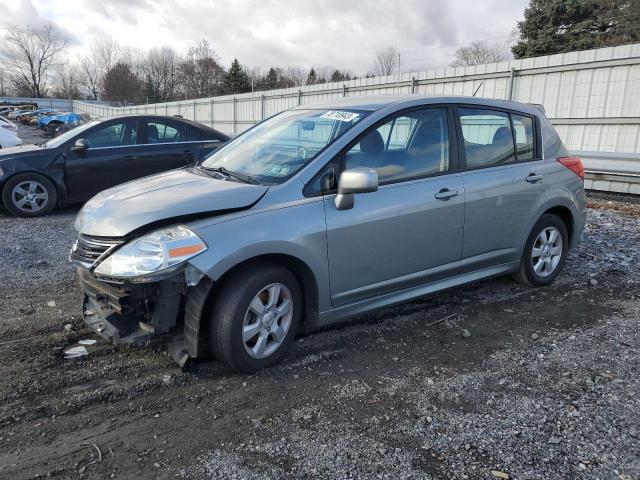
(256, 317)
(29, 195)
(544, 253)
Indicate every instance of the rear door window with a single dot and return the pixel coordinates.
(165, 131)
(487, 136)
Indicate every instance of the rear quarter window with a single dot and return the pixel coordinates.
(523, 128)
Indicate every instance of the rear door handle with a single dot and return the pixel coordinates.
(446, 194)
(130, 157)
(533, 178)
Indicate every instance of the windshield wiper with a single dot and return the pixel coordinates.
(238, 176)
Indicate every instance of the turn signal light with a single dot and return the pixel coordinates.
(182, 251)
(574, 164)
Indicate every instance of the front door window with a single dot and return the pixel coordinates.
(113, 135)
(410, 145)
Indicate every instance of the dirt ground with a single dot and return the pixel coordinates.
(527, 383)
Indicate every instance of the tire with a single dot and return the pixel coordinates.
(541, 266)
(42, 202)
(236, 310)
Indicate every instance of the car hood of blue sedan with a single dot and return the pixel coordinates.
(171, 197)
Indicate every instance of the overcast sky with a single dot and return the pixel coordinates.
(262, 33)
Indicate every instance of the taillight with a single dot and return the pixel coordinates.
(574, 164)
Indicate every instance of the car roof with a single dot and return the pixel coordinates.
(376, 102)
(153, 115)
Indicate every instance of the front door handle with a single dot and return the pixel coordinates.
(130, 157)
(533, 178)
(446, 194)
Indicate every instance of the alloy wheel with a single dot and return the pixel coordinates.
(30, 196)
(267, 320)
(546, 252)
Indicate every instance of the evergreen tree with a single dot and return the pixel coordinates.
(557, 26)
(120, 84)
(236, 80)
(312, 78)
(150, 92)
(338, 76)
(271, 79)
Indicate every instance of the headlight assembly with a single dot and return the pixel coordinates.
(160, 253)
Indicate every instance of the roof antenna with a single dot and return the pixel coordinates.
(474, 93)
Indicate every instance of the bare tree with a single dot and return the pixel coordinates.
(161, 71)
(201, 74)
(135, 58)
(68, 81)
(386, 61)
(4, 90)
(481, 52)
(297, 75)
(255, 75)
(103, 54)
(29, 52)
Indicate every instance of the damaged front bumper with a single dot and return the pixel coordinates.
(131, 313)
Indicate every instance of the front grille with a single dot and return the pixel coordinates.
(87, 250)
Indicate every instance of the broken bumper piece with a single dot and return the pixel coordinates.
(135, 313)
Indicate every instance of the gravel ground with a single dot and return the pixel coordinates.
(524, 383)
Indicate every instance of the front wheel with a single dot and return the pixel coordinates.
(544, 253)
(256, 317)
(29, 195)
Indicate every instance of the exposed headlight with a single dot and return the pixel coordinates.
(162, 252)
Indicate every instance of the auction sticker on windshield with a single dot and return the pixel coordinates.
(340, 115)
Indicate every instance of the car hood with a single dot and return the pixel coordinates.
(24, 150)
(170, 197)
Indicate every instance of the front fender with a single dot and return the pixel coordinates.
(297, 231)
(51, 170)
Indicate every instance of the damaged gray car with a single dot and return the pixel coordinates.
(323, 212)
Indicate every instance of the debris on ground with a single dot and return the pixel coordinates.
(74, 352)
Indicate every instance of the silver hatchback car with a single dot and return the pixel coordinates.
(323, 212)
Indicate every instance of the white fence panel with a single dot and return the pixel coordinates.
(592, 97)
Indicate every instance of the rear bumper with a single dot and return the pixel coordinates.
(579, 220)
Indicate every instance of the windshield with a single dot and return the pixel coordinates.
(56, 142)
(277, 148)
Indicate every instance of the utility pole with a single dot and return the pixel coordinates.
(398, 83)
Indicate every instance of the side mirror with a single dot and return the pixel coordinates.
(81, 145)
(355, 180)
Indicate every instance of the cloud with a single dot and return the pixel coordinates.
(339, 33)
(21, 12)
(24, 13)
